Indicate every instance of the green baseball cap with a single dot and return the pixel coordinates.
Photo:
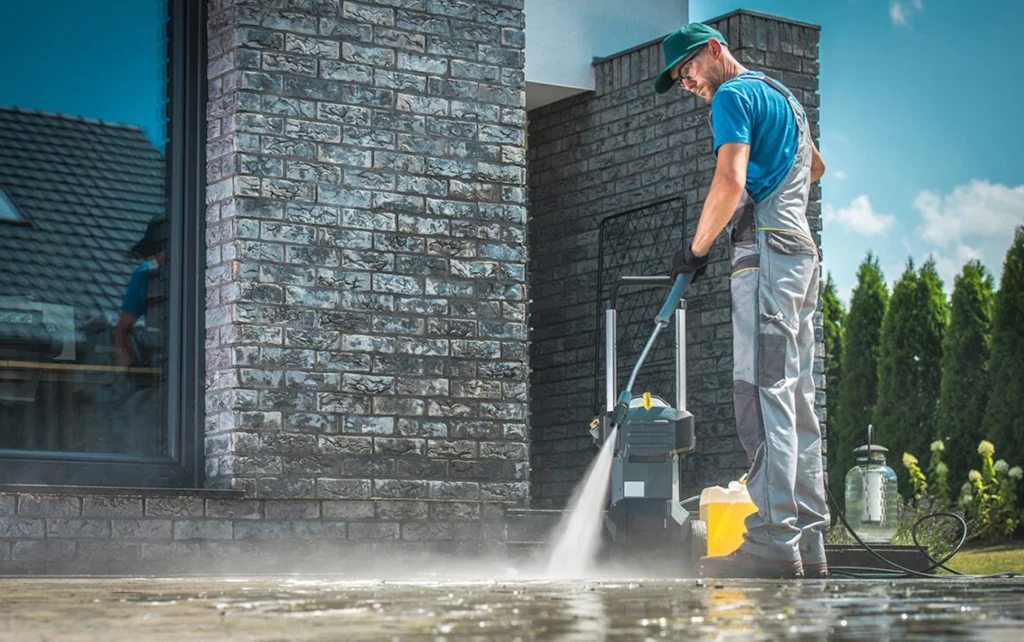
(679, 44)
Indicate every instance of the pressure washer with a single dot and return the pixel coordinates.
(645, 504)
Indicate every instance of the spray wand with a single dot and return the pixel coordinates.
(660, 321)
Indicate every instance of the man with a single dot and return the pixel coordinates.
(766, 162)
(139, 293)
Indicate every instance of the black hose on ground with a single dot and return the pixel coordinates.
(902, 571)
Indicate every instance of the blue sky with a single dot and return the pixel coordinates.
(922, 129)
(921, 111)
(102, 60)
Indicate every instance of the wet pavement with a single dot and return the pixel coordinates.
(429, 608)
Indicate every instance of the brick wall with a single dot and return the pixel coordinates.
(366, 250)
(613, 150)
(124, 532)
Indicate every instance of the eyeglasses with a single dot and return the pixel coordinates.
(681, 77)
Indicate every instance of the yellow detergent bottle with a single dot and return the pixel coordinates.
(724, 511)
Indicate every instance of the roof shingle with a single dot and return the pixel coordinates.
(87, 190)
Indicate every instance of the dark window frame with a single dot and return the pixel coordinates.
(186, 184)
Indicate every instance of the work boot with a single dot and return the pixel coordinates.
(741, 564)
(816, 571)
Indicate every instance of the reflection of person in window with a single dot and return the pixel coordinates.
(152, 247)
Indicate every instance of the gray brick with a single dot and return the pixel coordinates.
(203, 529)
(422, 104)
(454, 48)
(49, 506)
(400, 510)
(8, 505)
(454, 490)
(43, 551)
(398, 406)
(77, 528)
(141, 529)
(400, 40)
(456, 511)
(451, 449)
(278, 486)
(400, 488)
(422, 64)
(233, 509)
(174, 507)
(368, 13)
(347, 509)
(319, 529)
(400, 81)
(344, 488)
(373, 530)
(336, 402)
(291, 509)
(399, 447)
(108, 550)
(309, 46)
(22, 527)
(347, 72)
(504, 491)
(262, 530)
(346, 29)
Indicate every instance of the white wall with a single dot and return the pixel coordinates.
(564, 36)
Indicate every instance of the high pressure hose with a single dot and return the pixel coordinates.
(902, 571)
(864, 572)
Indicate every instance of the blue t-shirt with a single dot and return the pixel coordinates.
(134, 302)
(748, 110)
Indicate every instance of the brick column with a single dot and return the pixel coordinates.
(366, 270)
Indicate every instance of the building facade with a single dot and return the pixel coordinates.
(373, 276)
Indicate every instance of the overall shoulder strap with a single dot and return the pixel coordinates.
(798, 110)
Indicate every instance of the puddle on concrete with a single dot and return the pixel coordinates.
(302, 609)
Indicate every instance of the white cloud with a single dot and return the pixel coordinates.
(948, 266)
(859, 217)
(900, 12)
(977, 209)
(839, 175)
(973, 221)
(897, 14)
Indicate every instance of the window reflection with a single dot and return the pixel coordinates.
(83, 231)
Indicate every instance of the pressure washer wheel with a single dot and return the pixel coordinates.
(698, 539)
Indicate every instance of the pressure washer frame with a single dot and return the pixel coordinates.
(645, 502)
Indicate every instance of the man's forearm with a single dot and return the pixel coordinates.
(719, 206)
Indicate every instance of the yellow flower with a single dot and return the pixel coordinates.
(974, 476)
(986, 448)
(909, 460)
(938, 446)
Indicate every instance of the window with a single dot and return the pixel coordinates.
(8, 213)
(101, 134)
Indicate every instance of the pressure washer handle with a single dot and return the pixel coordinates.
(622, 407)
(673, 299)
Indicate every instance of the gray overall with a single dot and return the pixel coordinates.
(774, 285)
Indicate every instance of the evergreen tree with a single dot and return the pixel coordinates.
(909, 367)
(858, 386)
(965, 384)
(1004, 416)
(832, 321)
